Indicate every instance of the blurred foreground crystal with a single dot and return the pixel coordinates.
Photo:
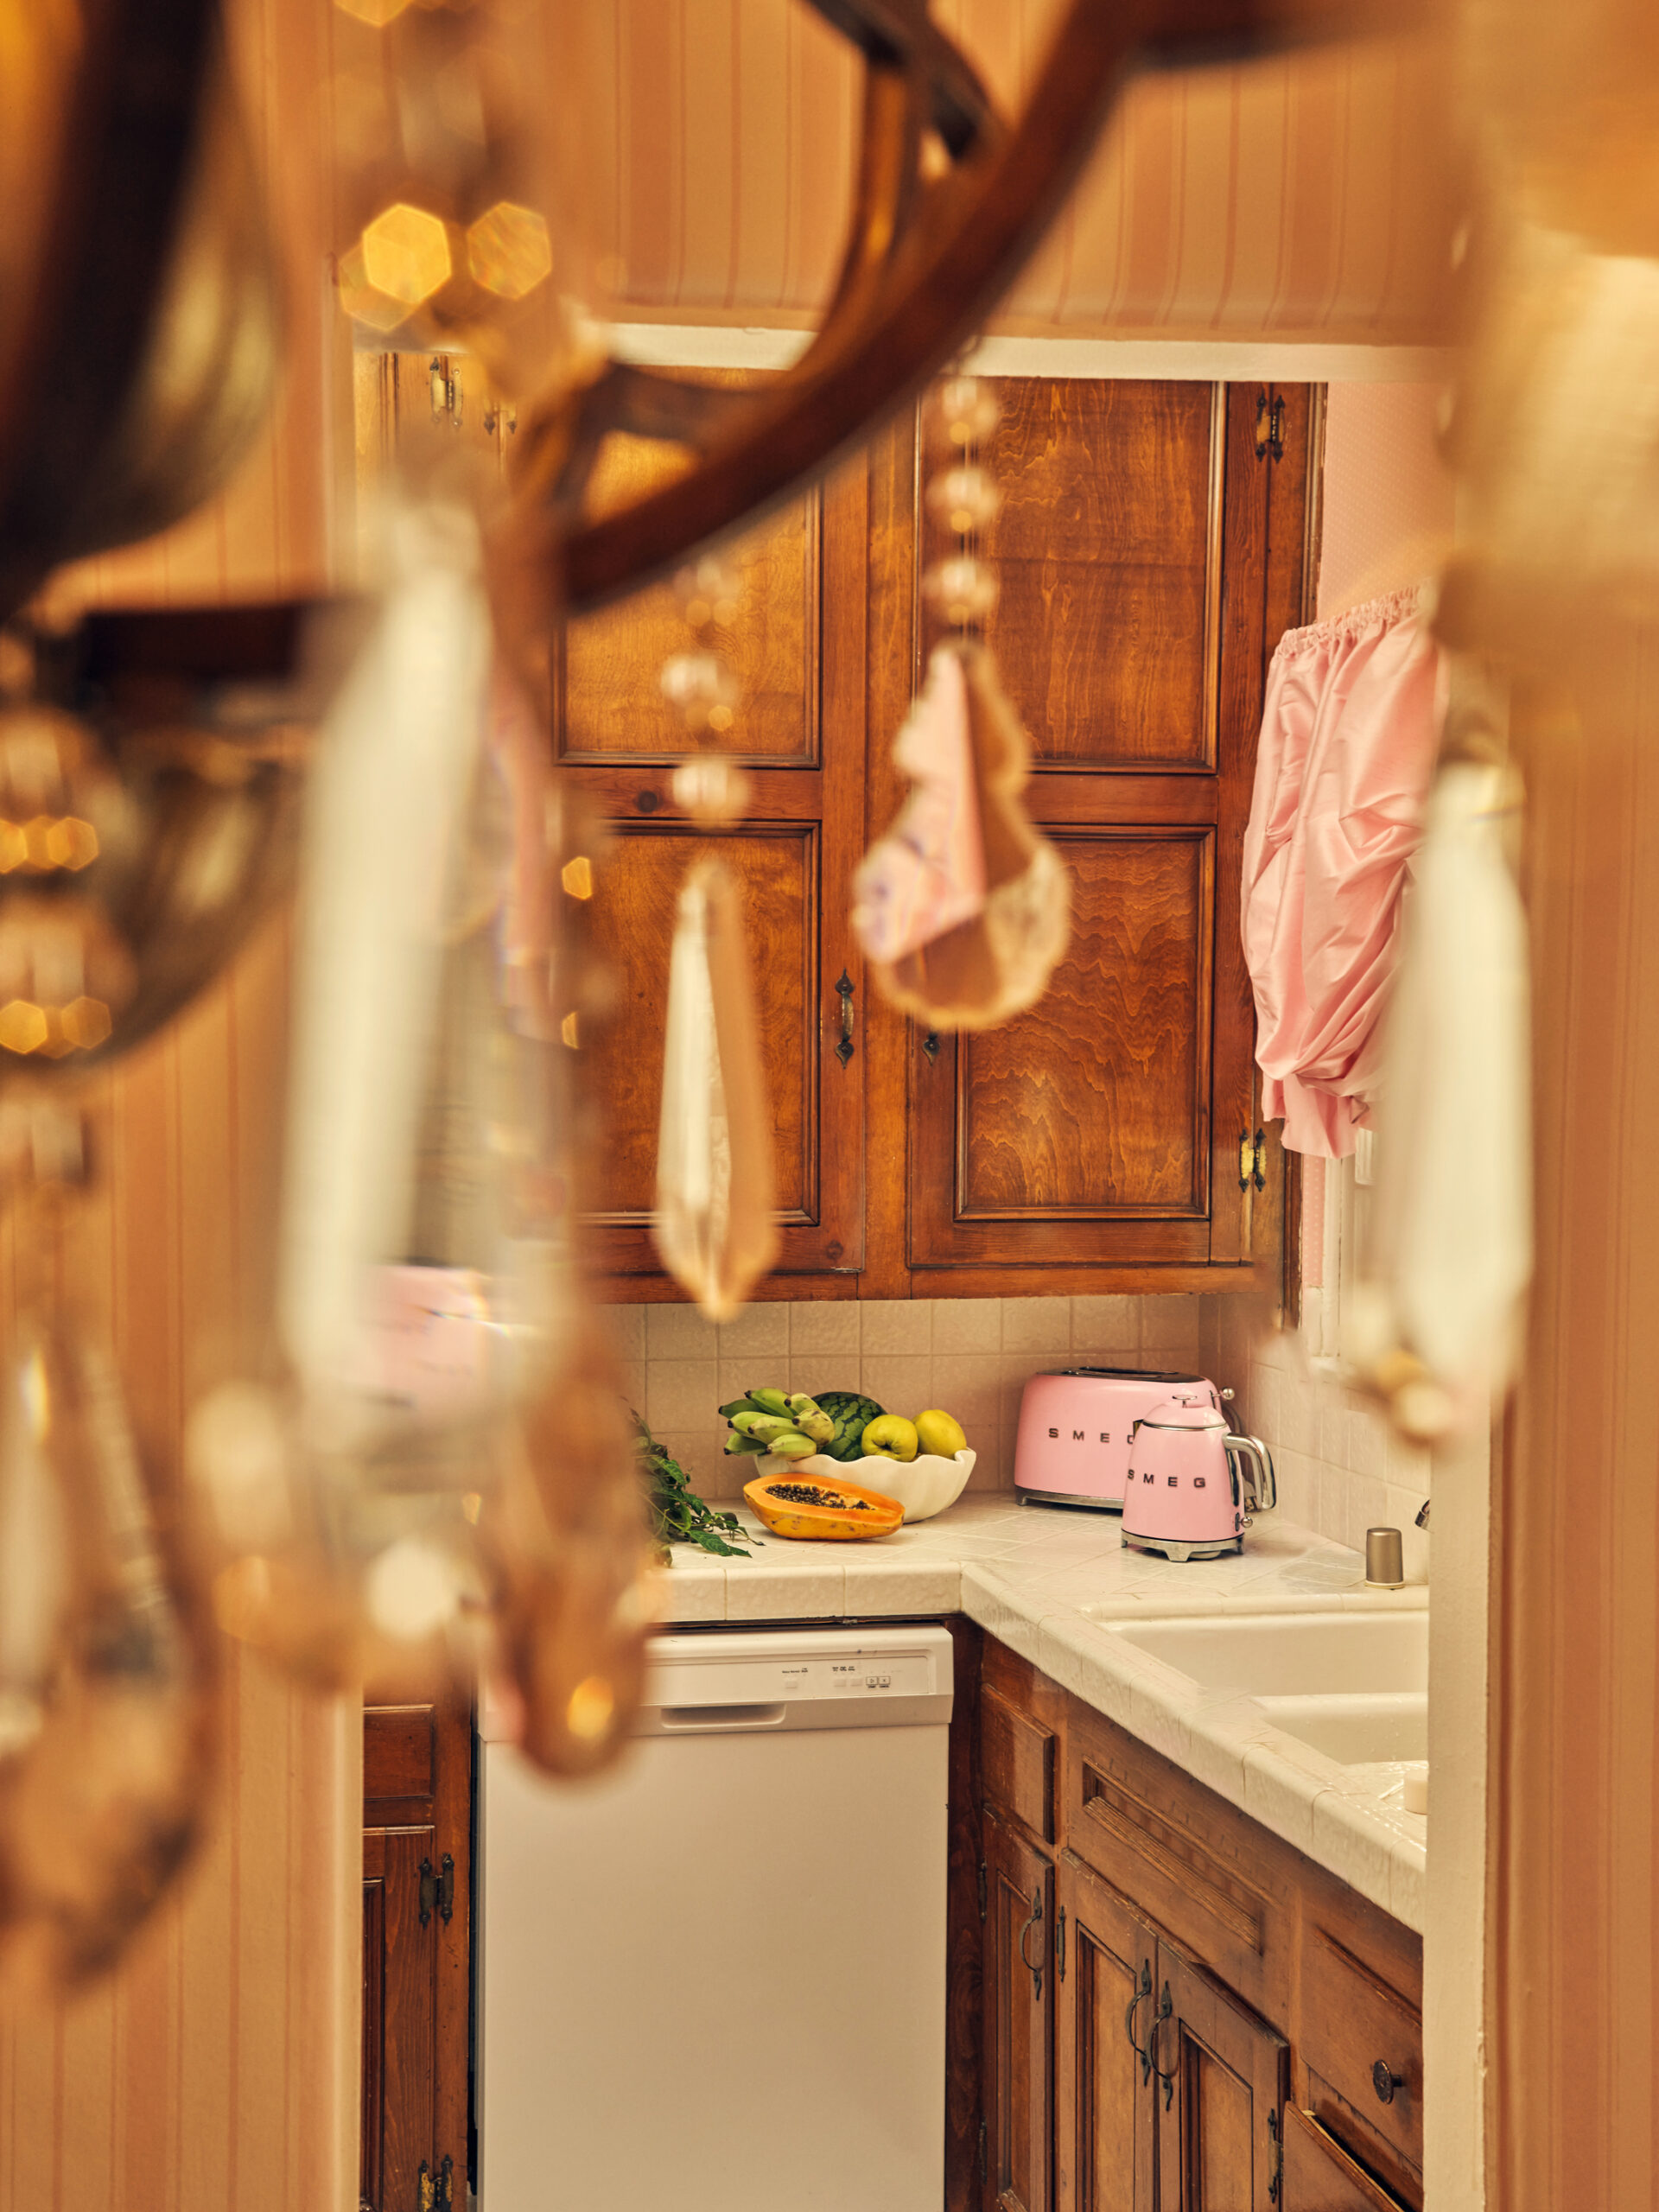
(714, 1223)
(106, 1697)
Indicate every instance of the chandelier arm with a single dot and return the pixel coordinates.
(135, 107)
(934, 297)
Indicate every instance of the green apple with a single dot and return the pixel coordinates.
(892, 1436)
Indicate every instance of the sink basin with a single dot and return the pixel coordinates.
(1351, 1685)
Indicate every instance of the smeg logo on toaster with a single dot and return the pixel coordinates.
(1080, 1436)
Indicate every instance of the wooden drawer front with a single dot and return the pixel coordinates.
(1196, 1868)
(1320, 2176)
(1353, 2024)
(1017, 1763)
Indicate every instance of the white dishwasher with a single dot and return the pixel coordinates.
(714, 1981)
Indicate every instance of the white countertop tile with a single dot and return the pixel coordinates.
(1028, 1575)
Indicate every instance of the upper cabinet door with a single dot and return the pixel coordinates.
(797, 649)
(1135, 553)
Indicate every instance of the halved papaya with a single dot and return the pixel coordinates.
(824, 1506)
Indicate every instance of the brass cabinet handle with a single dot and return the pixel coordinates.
(844, 992)
(1035, 1971)
(1385, 2081)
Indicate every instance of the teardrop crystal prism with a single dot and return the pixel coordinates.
(566, 1524)
(108, 1690)
(714, 1226)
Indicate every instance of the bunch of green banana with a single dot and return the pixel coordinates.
(771, 1420)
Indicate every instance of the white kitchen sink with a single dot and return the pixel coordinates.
(1352, 1686)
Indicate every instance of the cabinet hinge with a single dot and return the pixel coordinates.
(436, 2189)
(983, 2168)
(1270, 427)
(982, 1892)
(1252, 1159)
(1275, 2158)
(438, 1890)
(1059, 1943)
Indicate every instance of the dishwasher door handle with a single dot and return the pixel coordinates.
(710, 1719)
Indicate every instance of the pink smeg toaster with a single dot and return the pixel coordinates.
(1073, 1444)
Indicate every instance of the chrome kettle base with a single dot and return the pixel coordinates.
(1070, 1498)
(1176, 1548)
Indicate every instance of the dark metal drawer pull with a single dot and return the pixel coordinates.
(1385, 2081)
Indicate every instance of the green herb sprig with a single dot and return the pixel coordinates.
(679, 1516)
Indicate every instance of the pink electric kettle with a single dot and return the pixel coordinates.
(1183, 1495)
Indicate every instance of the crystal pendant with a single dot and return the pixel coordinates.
(566, 1526)
(714, 1224)
(106, 1692)
(997, 962)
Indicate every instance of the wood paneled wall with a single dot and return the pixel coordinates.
(1305, 196)
(1575, 2112)
(218, 2067)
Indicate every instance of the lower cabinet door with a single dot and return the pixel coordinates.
(1320, 2176)
(1103, 2118)
(1219, 2095)
(1019, 2013)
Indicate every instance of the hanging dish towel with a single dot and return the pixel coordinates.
(1349, 737)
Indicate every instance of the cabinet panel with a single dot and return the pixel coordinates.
(635, 903)
(1103, 2122)
(1019, 1931)
(1320, 2176)
(417, 1953)
(610, 699)
(1141, 536)
(793, 853)
(1219, 2095)
(1107, 550)
(1096, 1102)
(1361, 2042)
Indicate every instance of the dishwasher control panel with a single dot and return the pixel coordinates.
(808, 1678)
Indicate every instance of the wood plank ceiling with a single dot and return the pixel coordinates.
(1304, 197)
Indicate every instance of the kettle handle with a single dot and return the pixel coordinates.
(1264, 1490)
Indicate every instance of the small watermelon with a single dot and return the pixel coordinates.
(852, 1413)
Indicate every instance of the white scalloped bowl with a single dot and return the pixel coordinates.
(923, 1485)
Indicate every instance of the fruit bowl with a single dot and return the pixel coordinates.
(923, 1485)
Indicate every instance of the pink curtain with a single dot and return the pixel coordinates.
(1349, 736)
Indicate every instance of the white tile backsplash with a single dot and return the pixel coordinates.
(970, 1356)
(1341, 1469)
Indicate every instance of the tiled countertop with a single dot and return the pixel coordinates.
(1024, 1574)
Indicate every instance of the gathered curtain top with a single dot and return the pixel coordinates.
(1350, 732)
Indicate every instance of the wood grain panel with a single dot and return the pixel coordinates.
(1103, 2114)
(1352, 2021)
(398, 1753)
(1320, 2176)
(1017, 2020)
(965, 1976)
(1228, 2074)
(1107, 550)
(610, 695)
(795, 853)
(1017, 1764)
(1096, 1101)
(634, 909)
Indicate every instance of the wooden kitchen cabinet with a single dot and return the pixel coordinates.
(1149, 557)
(798, 652)
(1141, 596)
(1214, 1998)
(1104, 2120)
(1153, 545)
(416, 1956)
(1018, 2028)
(1219, 2079)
